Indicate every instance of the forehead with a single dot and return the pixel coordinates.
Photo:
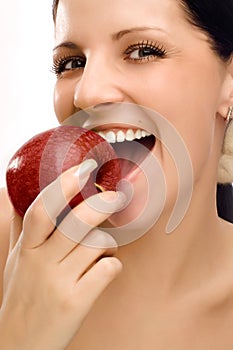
(101, 15)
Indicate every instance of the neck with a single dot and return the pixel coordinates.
(178, 262)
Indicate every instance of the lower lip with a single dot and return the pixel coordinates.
(133, 174)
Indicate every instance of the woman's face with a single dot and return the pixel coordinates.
(146, 53)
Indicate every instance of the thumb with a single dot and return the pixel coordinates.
(15, 229)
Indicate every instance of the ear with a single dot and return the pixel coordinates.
(226, 98)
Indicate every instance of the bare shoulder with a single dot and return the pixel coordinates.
(5, 215)
(5, 221)
(227, 229)
(225, 263)
(226, 233)
(6, 211)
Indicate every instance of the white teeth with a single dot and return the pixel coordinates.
(101, 134)
(121, 136)
(130, 135)
(110, 137)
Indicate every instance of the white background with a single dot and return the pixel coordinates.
(26, 81)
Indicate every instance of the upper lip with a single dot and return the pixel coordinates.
(115, 127)
(127, 115)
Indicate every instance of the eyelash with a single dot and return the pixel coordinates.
(59, 64)
(156, 51)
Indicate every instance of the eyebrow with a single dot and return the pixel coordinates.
(119, 35)
(67, 45)
(115, 37)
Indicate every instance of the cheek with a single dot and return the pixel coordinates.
(187, 99)
(63, 100)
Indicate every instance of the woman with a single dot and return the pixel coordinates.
(159, 291)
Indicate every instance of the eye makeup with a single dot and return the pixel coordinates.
(67, 63)
(145, 50)
(140, 52)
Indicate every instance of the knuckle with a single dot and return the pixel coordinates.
(35, 212)
(105, 240)
(62, 297)
(99, 239)
(110, 266)
(66, 303)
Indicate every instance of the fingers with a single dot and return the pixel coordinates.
(80, 221)
(40, 218)
(90, 286)
(94, 246)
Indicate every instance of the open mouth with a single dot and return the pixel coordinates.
(132, 146)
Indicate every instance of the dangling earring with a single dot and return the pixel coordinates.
(229, 114)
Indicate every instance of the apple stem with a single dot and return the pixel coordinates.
(100, 188)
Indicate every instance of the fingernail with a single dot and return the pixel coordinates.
(85, 168)
(113, 197)
(121, 197)
(107, 202)
(119, 201)
(126, 187)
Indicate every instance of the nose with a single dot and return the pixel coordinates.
(98, 86)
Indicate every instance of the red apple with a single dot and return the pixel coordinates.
(45, 156)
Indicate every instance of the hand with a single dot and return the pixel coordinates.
(53, 276)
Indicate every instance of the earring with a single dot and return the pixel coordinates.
(229, 114)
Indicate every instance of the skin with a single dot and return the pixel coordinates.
(163, 80)
(171, 287)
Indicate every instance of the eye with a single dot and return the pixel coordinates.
(65, 64)
(144, 51)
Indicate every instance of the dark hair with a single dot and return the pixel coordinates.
(225, 201)
(54, 9)
(214, 18)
